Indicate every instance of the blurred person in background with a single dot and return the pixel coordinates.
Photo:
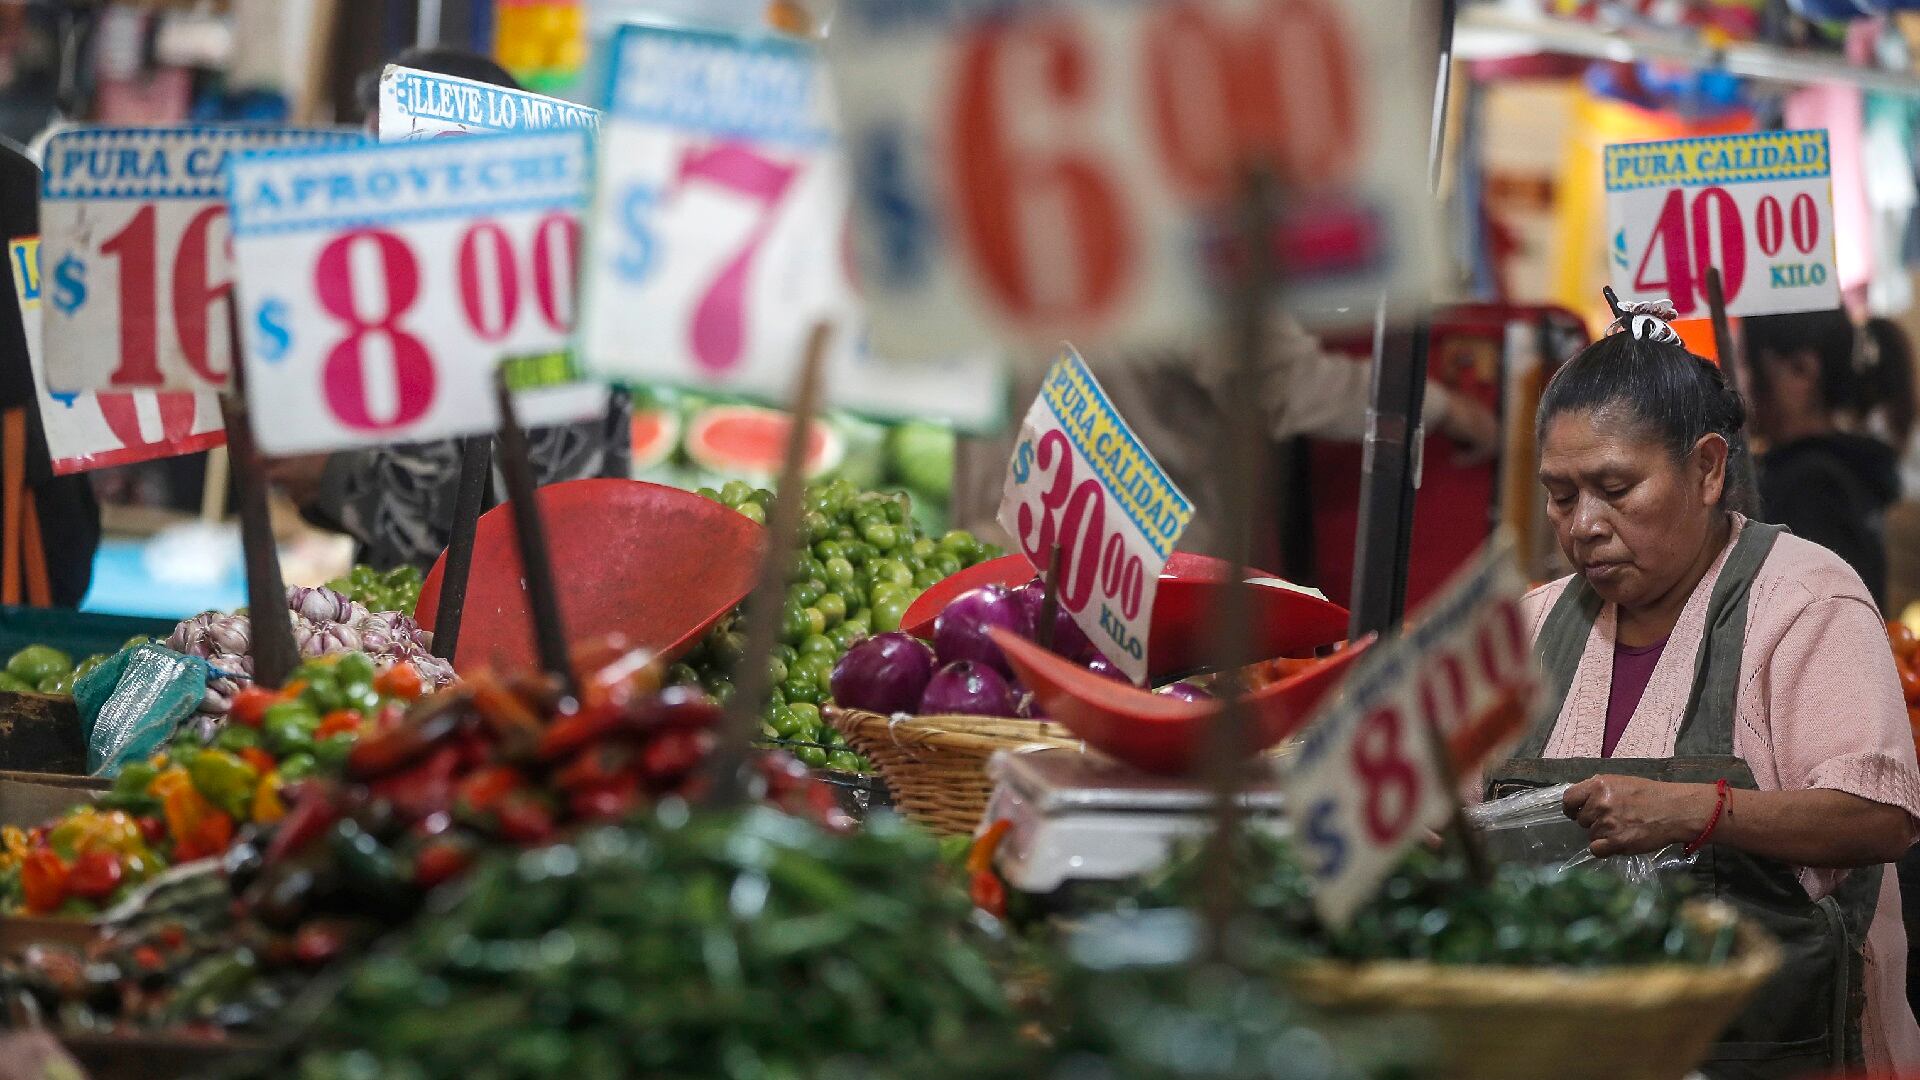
(1826, 484)
(397, 501)
(1177, 404)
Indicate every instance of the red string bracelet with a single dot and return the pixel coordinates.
(1719, 806)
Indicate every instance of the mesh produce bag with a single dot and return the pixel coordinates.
(130, 705)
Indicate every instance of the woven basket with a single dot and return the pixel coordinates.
(936, 766)
(1503, 1023)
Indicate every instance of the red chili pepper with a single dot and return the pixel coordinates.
(434, 722)
(95, 874)
(482, 792)
(440, 861)
(525, 819)
(148, 958)
(989, 894)
(43, 878)
(569, 734)
(152, 829)
(339, 722)
(317, 943)
(516, 726)
(596, 766)
(172, 936)
(675, 754)
(314, 812)
(424, 790)
(605, 803)
(250, 705)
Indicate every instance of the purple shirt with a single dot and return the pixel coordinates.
(1632, 668)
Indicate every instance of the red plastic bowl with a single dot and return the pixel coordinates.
(655, 564)
(1154, 732)
(1288, 623)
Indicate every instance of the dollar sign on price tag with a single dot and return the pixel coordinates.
(1365, 784)
(1082, 481)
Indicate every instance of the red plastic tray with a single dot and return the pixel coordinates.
(1154, 732)
(656, 564)
(1288, 623)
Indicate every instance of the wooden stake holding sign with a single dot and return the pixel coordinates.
(274, 653)
(752, 686)
(476, 466)
(516, 467)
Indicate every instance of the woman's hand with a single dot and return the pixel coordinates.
(1627, 816)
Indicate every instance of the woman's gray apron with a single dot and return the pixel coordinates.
(1807, 1019)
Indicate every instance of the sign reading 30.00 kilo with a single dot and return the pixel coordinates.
(1758, 207)
(136, 253)
(1056, 168)
(384, 285)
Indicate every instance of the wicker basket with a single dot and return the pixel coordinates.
(936, 766)
(1503, 1023)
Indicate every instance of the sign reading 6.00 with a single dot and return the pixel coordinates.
(1043, 169)
(1080, 481)
(136, 253)
(384, 285)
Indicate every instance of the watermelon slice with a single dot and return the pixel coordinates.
(747, 441)
(656, 434)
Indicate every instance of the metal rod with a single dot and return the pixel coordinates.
(274, 653)
(476, 465)
(530, 535)
(1255, 289)
(753, 685)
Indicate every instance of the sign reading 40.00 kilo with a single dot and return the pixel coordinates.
(385, 285)
(1758, 207)
(136, 253)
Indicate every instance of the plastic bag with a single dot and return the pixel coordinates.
(1530, 827)
(130, 705)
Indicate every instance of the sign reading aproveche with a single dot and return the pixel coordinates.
(1759, 207)
(424, 105)
(1081, 481)
(86, 430)
(135, 253)
(719, 235)
(1027, 172)
(384, 285)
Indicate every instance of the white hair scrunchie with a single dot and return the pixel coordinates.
(1649, 320)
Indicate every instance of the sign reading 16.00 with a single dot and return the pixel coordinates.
(135, 249)
(385, 284)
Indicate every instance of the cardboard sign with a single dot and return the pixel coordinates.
(1081, 480)
(1028, 172)
(1759, 207)
(136, 253)
(424, 105)
(720, 228)
(1365, 785)
(383, 285)
(96, 431)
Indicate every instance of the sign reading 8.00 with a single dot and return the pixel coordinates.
(1052, 168)
(384, 286)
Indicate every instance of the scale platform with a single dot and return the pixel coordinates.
(1081, 818)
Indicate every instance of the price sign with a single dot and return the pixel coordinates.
(384, 284)
(137, 255)
(87, 430)
(1365, 784)
(1082, 481)
(1759, 207)
(721, 223)
(424, 105)
(1049, 169)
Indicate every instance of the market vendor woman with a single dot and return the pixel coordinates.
(1727, 688)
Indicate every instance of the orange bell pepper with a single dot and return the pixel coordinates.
(268, 807)
(399, 681)
(198, 828)
(338, 722)
(43, 878)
